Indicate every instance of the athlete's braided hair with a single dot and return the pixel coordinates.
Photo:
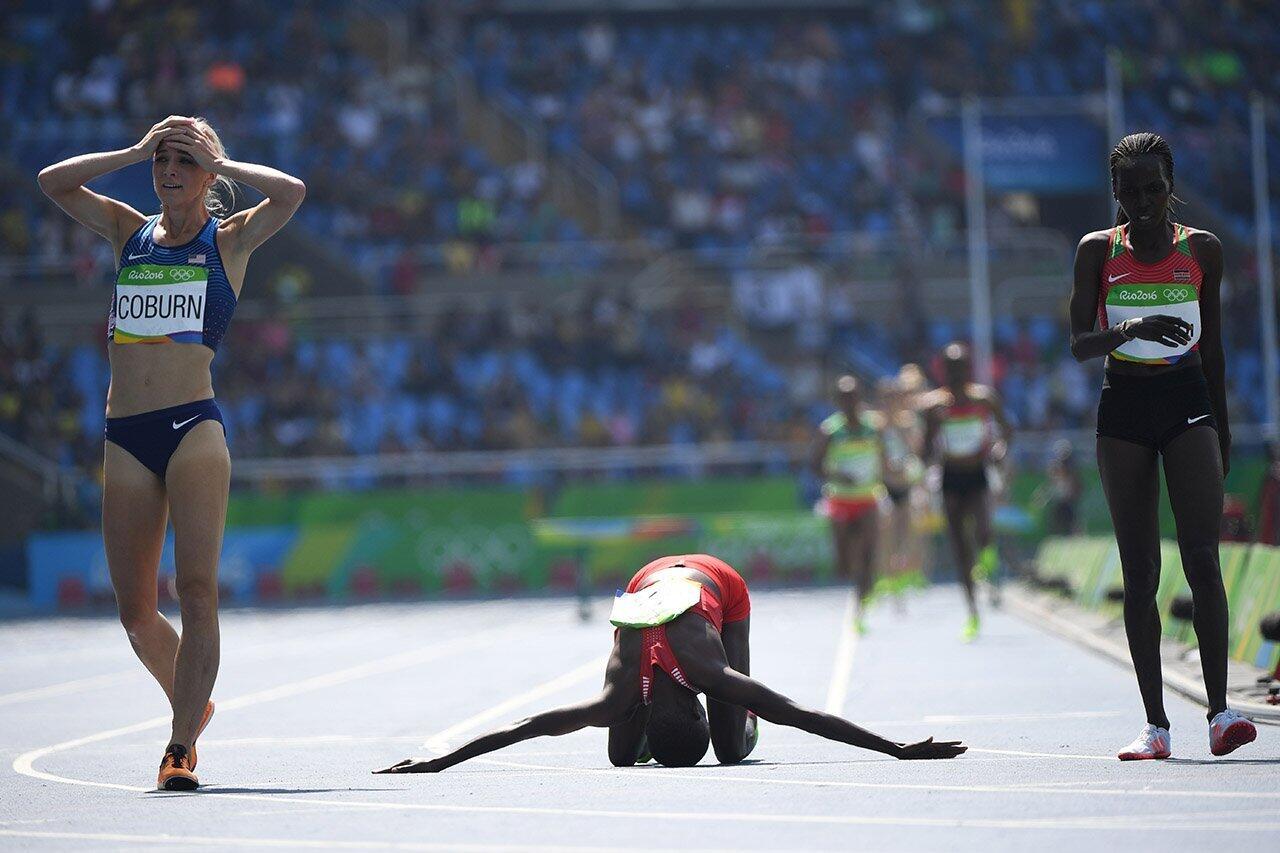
(1134, 146)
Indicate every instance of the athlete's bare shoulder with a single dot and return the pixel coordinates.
(931, 402)
(1205, 245)
(697, 644)
(1094, 244)
(981, 393)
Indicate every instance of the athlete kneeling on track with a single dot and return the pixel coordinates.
(682, 629)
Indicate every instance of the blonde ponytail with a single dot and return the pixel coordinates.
(220, 198)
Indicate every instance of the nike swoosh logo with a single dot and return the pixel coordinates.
(177, 425)
(135, 257)
(1193, 420)
(1112, 279)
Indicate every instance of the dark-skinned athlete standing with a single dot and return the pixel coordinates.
(1146, 296)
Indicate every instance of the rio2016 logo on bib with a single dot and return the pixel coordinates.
(154, 302)
(1150, 294)
(1129, 301)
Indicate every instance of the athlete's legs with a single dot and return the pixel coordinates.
(1130, 481)
(1193, 474)
(979, 504)
(134, 515)
(957, 510)
(842, 539)
(198, 480)
(897, 543)
(862, 553)
(626, 739)
(913, 511)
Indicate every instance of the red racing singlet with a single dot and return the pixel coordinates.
(1128, 289)
(734, 605)
(966, 430)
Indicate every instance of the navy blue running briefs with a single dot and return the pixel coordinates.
(152, 437)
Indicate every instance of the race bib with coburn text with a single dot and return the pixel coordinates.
(155, 302)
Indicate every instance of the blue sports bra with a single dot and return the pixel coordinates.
(177, 294)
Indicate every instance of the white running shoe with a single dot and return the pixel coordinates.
(1154, 742)
(1229, 730)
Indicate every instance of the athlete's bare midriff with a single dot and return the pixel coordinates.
(686, 573)
(146, 377)
(1133, 368)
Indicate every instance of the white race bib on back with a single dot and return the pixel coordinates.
(657, 604)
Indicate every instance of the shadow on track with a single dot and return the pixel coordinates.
(755, 762)
(1210, 761)
(214, 791)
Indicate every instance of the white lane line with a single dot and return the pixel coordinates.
(25, 763)
(842, 669)
(231, 656)
(1001, 718)
(933, 719)
(308, 741)
(66, 688)
(1033, 788)
(439, 742)
(393, 617)
(717, 817)
(1108, 758)
(645, 815)
(179, 841)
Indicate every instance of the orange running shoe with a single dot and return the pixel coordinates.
(175, 770)
(204, 723)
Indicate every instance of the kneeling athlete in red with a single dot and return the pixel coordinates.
(691, 615)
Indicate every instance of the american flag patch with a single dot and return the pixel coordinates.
(1178, 275)
(199, 259)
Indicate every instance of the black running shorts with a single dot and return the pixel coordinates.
(1154, 410)
(964, 481)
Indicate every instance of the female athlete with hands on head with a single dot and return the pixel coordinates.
(1152, 286)
(178, 279)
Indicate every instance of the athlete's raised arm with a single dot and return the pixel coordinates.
(64, 183)
(931, 411)
(604, 710)
(818, 456)
(247, 230)
(1005, 429)
(722, 682)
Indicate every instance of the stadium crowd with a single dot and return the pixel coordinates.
(721, 135)
(603, 373)
(724, 132)
(305, 85)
